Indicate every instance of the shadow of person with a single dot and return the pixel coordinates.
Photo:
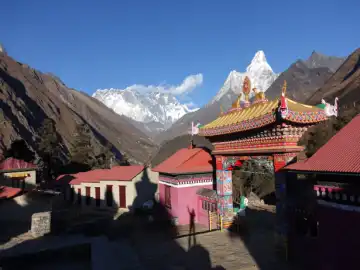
(192, 231)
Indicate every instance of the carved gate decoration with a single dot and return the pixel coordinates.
(262, 128)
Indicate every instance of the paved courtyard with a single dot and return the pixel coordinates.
(254, 249)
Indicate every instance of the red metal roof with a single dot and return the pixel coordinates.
(10, 164)
(9, 192)
(116, 173)
(186, 160)
(340, 154)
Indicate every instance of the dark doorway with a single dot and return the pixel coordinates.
(79, 196)
(97, 196)
(109, 195)
(87, 190)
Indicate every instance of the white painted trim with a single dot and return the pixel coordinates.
(186, 185)
(339, 206)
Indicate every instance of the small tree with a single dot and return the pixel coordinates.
(20, 150)
(105, 159)
(124, 160)
(82, 150)
(49, 149)
(254, 176)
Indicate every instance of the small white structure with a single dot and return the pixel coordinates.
(18, 174)
(331, 110)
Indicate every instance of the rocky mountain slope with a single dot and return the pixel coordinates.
(318, 60)
(170, 147)
(261, 75)
(344, 84)
(156, 110)
(304, 77)
(28, 96)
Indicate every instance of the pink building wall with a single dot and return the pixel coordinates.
(181, 199)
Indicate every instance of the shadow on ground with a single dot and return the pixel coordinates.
(142, 237)
(257, 231)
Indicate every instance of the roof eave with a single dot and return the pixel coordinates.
(182, 173)
(18, 170)
(321, 172)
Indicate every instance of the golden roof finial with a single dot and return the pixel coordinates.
(283, 90)
(236, 104)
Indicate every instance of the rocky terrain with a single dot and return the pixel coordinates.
(344, 84)
(304, 77)
(28, 96)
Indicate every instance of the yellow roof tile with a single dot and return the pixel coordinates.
(249, 113)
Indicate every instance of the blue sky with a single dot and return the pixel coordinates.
(103, 44)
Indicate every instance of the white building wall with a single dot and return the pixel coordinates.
(131, 190)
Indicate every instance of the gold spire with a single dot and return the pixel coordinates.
(259, 95)
(283, 90)
(236, 104)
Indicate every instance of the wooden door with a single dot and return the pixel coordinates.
(122, 196)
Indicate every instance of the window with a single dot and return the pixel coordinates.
(87, 190)
(122, 196)
(109, 195)
(208, 206)
(213, 207)
(168, 196)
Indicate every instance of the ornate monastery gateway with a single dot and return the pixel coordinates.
(265, 128)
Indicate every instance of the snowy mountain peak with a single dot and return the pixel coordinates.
(259, 71)
(148, 107)
(258, 63)
(259, 57)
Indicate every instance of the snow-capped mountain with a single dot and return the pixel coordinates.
(259, 71)
(159, 109)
